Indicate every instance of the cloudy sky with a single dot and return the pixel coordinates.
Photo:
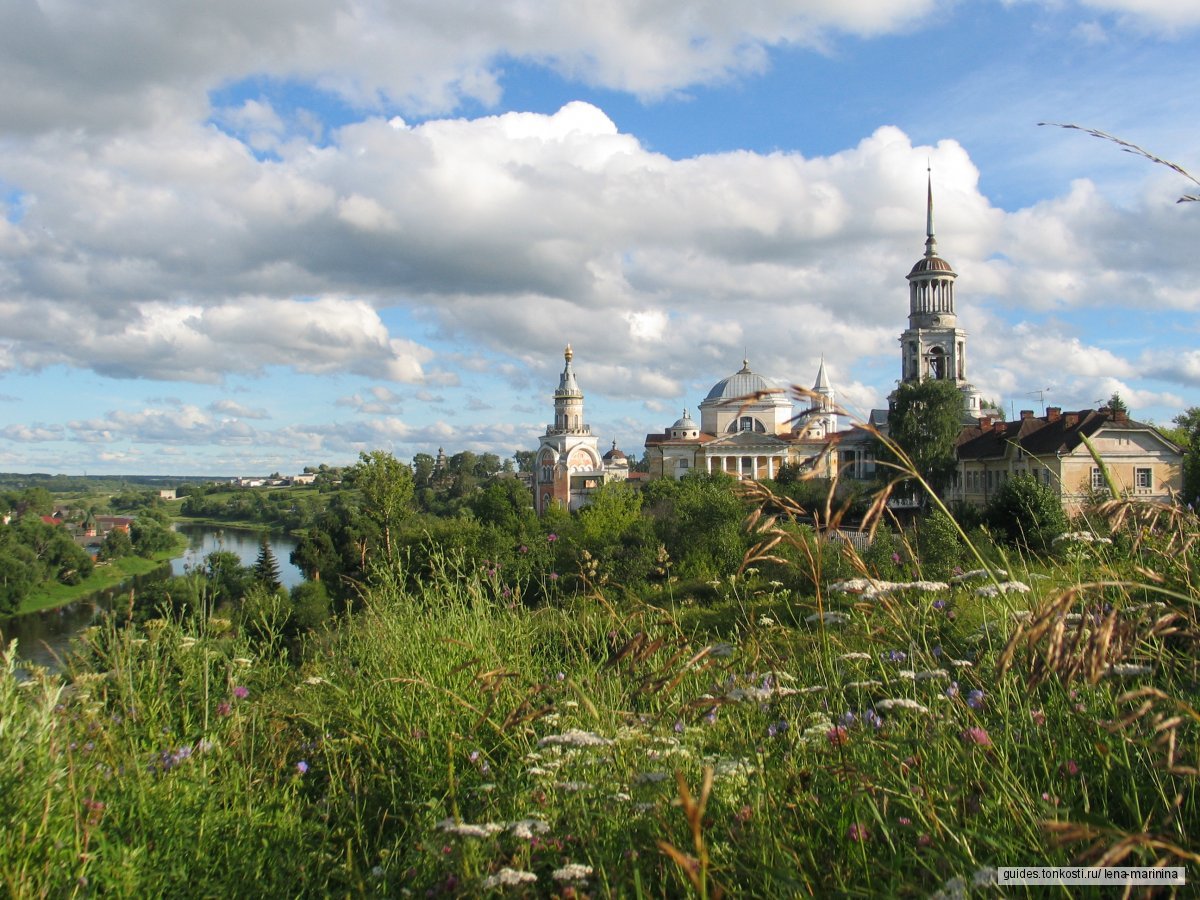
(239, 238)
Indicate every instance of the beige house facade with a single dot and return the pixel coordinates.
(1141, 461)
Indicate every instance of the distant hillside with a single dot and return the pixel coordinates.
(75, 483)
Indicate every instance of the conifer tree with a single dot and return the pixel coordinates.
(266, 567)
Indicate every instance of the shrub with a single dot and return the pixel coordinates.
(1028, 512)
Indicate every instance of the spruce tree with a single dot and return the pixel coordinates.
(266, 567)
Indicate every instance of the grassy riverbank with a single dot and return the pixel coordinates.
(859, 739)
(104, 576)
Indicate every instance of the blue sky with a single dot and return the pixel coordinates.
(239, 243)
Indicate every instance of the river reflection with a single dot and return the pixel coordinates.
(44, 637)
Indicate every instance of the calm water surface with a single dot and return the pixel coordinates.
(43, 637)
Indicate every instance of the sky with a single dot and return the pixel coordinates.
(245, 238)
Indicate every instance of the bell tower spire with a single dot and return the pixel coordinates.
(933, 346)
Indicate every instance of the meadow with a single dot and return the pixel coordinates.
(811, 723)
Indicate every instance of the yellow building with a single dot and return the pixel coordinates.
(1143, 463)
(748, 429)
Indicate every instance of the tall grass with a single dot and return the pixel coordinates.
(811, 734)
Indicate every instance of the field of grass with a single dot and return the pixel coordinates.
(863, 740)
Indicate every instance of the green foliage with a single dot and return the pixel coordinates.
(149, 536)
(1027, 512)
(1188, 424)
(925, 421)
(939, 545)
(387, 489)
(266, 567)
(116, 544)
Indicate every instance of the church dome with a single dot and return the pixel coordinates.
(930, 264)
(742, 383)
(614, 454)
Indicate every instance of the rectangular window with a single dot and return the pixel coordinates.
(1143, 479)
(1097, 479)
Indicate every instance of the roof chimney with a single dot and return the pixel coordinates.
(1053, 413)
(1027, 414)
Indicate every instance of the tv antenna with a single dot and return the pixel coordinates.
(1041, 395)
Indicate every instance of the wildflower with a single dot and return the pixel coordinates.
(464, 829)
(829, 617)
(1127, 670)
(858, 833)
(649, 777)
(301, 767)
(574, 738)
(975, 699)
(507, 877)
(978, 736)
(837, 736)
(901, 703)
(525, 829)
(241, 692)
(572, 872)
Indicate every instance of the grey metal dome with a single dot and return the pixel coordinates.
(742, 383)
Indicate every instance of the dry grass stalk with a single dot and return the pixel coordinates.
(1137, 151)
(1111, 847)
(695, 868)
(1161, 715)
(1087, 648)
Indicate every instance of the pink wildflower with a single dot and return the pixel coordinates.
(978, 736)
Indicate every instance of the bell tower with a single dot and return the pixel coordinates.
(933, 346)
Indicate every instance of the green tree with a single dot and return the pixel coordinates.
(116, 544)
(925, 421)
(266, 567)
(1027, 512)
(1187, 435)
(315, 554)
(387, 489)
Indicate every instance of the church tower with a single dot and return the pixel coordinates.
(933, 346)
(568, 464)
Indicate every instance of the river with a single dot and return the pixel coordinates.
(42, 637)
